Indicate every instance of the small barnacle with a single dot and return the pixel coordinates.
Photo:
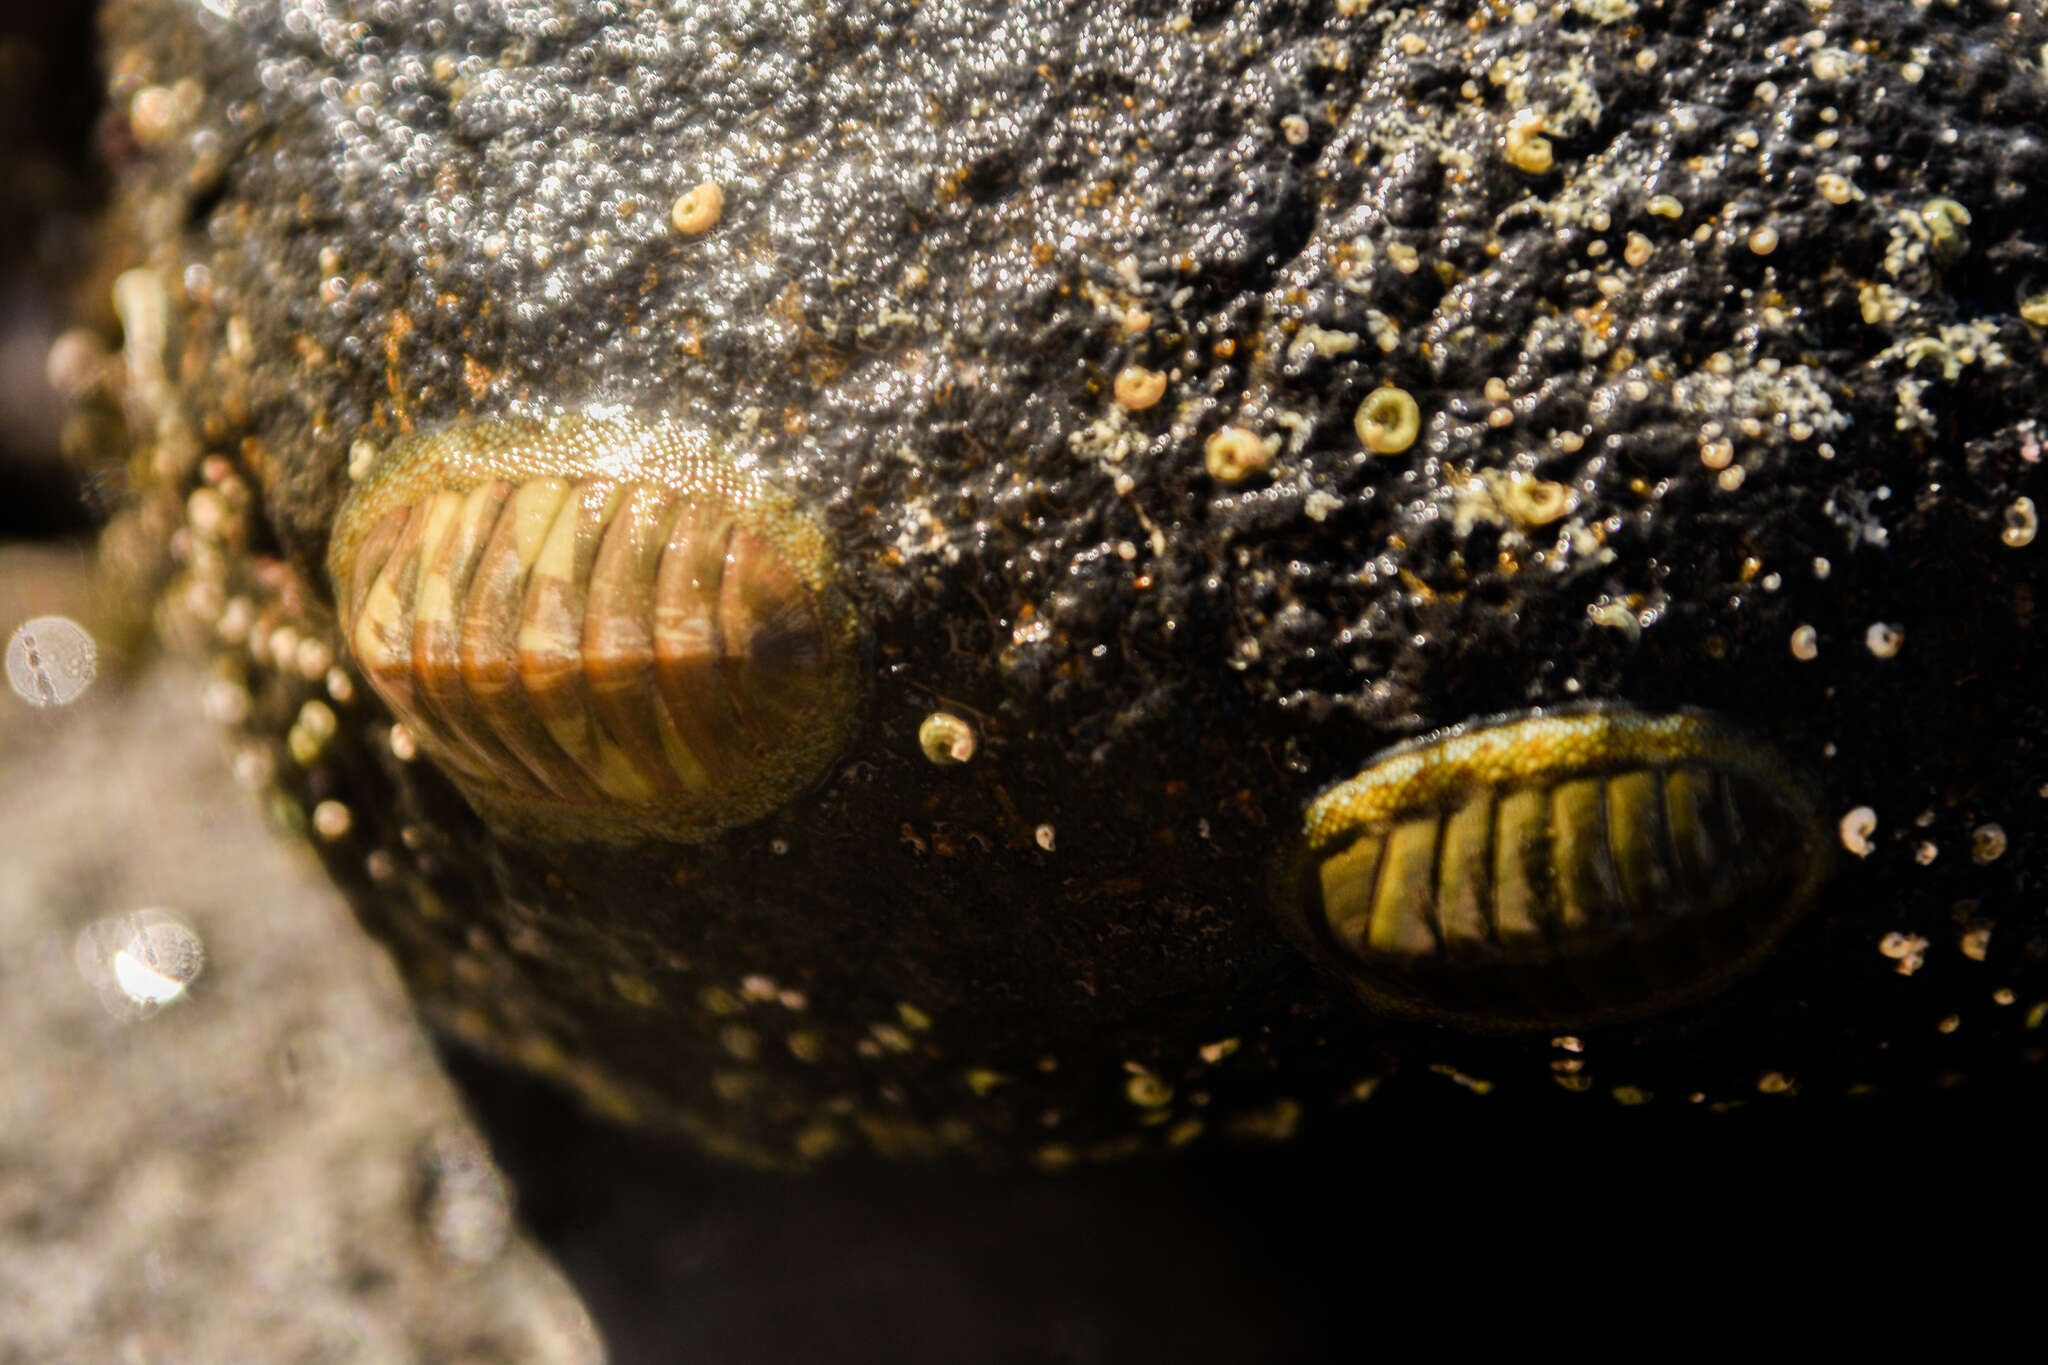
(599, 628)
(1138, 388)
(1524, 144)
(1388, 421)
(1234, 454)
(1597, 864)
(1945, 220)
(698, 210)
(945, 738)
(2022, 522)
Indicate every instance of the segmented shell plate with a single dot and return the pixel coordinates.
(599, 628)
(1555, 869)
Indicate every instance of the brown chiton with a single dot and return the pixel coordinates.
(600, 628)
(1555, 869)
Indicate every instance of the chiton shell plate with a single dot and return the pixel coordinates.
(1555, 869)
(600, 628)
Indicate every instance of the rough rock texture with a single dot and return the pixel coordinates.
(1725, 321)
(271, 1167)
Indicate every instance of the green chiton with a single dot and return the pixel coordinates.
(600, 628)
(1555, 869)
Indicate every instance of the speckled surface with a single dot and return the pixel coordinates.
(1705, 355)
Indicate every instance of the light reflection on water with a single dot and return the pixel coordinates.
(139, 962)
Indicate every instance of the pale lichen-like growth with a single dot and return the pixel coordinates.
(1525, 146)
(1945, 220)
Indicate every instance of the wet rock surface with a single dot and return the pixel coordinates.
(1722, 323)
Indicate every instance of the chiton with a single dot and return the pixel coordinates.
(600, 628)
(1555, 869)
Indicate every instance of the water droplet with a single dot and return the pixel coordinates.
(140, 961)
(51, 660)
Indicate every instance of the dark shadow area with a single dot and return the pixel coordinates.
(49, 108)
(1287, 1253)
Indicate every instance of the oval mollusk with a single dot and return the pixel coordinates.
(601, 629)
(1555, 869)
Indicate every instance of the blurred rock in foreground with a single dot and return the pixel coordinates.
(222, 1136)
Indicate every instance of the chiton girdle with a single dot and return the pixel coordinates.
(1556, 869)
(601, 628)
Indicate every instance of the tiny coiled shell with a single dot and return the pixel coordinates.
(600, 628)
(1555, 869)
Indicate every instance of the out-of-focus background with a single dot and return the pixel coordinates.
(224, 1138)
